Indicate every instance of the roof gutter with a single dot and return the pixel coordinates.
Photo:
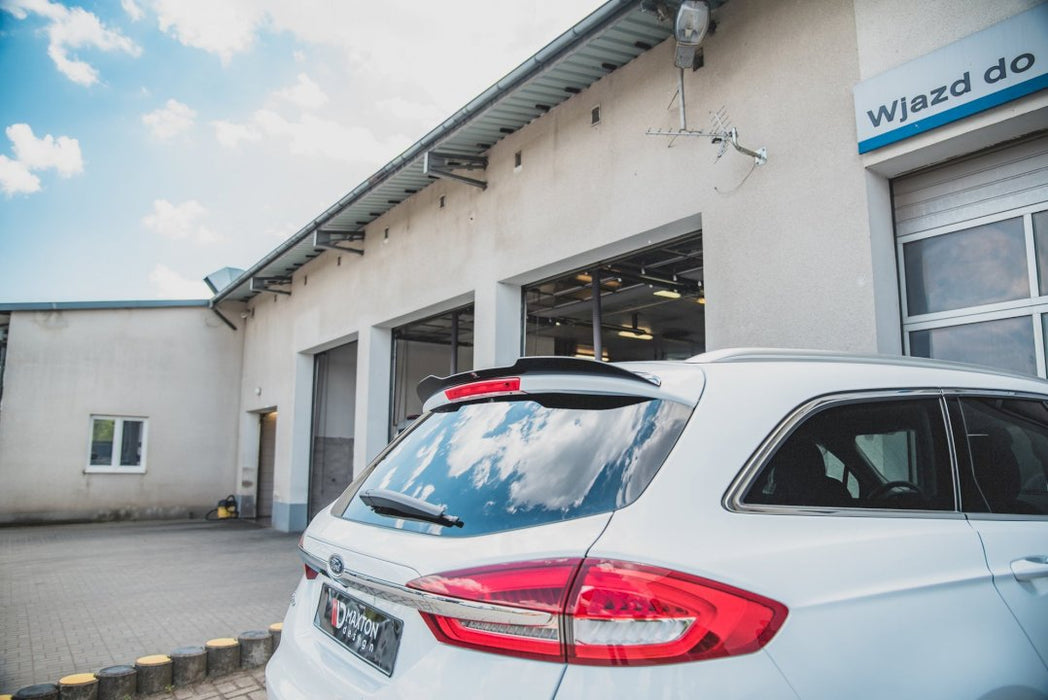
(596, 22)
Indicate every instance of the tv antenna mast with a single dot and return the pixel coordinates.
(720, 134)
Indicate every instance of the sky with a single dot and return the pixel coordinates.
(148, 143)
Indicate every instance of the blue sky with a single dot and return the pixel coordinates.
(147, 143)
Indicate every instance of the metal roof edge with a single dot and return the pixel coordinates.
(100, 305)
(579, 32)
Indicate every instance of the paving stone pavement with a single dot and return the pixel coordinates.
(246, 685)
(78, 598)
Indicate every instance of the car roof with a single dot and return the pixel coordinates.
(877, 370)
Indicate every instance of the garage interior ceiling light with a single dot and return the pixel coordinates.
(636, 332)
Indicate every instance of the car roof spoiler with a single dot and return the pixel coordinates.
(532, 365)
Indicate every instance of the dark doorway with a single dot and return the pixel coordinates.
(267, 442)
(334, 409)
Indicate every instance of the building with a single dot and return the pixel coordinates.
(113, 410)
(859, 175)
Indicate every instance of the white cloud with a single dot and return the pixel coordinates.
(230, 134)
(132, 9)
(168, 284)
(69, 29)
(170, 120)
(15, 178)
(61, 154)
(425, 114)
(180, 221)
(281, 232)
(313, 136)
(222, 28)
(305, 93)
(47, 153)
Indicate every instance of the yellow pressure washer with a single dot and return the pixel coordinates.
(226, 509)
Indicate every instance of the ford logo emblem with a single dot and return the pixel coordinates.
(336, 565)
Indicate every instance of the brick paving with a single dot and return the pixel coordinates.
(246, 685)
(78, 598)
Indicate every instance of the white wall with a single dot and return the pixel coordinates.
(178, 367)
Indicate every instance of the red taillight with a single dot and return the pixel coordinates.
(540, 585)
(631, 614)
(310, 573)
(608, 613)
(474, 390)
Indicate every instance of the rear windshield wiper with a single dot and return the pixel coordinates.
(398, 505)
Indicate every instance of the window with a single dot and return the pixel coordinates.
(980, 293)
(876, 454)
(1005, 466)
(3, 358)
(117, 444)
(503, 465)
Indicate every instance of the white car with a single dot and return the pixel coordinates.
(745, 524)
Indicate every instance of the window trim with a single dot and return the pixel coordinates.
(114, 466)
(732, 500)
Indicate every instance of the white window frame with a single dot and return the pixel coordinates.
(114, 466)
(1032, 307)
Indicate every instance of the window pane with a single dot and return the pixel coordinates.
(980, 265)
(883, 454)
(1007, 469)
(131, 444)
(1040, 236)
(510, 464)
(890, 453)
(102, 441)
(1005, 344)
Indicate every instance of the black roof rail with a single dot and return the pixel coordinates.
(528, 365)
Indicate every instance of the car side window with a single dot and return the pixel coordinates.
(1005, 466)
(876, 454)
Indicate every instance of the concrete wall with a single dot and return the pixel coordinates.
(177, 367)
(798, 252)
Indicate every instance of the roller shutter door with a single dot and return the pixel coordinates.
(972, 241)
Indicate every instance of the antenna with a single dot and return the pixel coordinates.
(721, 132)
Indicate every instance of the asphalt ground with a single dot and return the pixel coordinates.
(78, 598)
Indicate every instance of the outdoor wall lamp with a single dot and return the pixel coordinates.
(693, 21)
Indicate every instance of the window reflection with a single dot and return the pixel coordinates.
(512, 464)
(1040, 237)
(980, 265)
(1005, 344)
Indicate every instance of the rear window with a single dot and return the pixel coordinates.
(510, 464)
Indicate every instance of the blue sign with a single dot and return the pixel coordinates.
(989, 68)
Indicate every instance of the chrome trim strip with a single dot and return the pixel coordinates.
(955, 471)
(434, 603)
(1009, 517)
(313, 562)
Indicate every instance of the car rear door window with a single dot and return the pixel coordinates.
(866, 454)
(1005, 466)
(501, 465)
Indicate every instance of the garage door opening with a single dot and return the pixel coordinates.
(648, 305)
(267, 441)
(334, 414)
(439, 345)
